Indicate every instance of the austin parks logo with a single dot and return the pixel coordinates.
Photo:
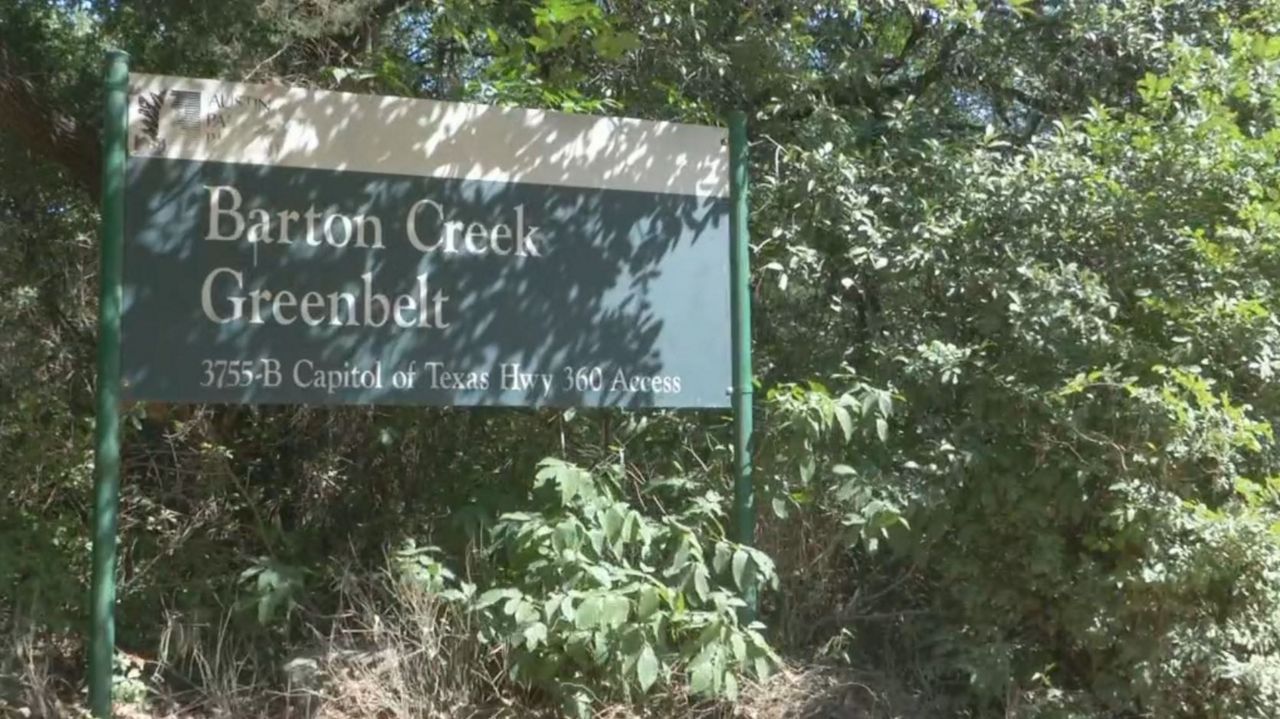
(187, 113)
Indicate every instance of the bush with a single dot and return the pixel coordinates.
(598, 601)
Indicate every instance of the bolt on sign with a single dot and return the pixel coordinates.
(290, 245)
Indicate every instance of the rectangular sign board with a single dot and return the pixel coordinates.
(297, 246)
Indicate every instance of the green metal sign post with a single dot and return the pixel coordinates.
(744, 501)
(106, 477)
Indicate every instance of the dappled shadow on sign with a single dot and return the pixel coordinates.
(619, 297)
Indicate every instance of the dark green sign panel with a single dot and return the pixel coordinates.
(291, 246)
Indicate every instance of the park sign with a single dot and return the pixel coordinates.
(285, 245)
(297, 246)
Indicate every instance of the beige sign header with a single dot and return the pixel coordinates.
(272, 125)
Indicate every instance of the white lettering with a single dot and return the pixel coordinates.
(370, 298)
(284, 299)
(312, 216)
(525, 245)
(314, 301)
(500, 232)
(476, 231)
(206, 296)
(260, 231)
(215, 231)
(363, 221)
(286, 216)
(346, 230)
(414, 238)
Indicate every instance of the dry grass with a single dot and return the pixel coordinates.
(412, 656)
(824, 692)
(32, 671)
(206, 670)
(392, 651)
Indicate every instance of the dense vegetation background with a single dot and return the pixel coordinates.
(1015, 280)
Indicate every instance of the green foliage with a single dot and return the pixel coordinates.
(596, 600)
(809, 425)
(272, 587)
(424, 567)
(1080, 324)
(1016, 333)
(128, 683)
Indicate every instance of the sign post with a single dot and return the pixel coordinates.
(744, 501)
(106, 464)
